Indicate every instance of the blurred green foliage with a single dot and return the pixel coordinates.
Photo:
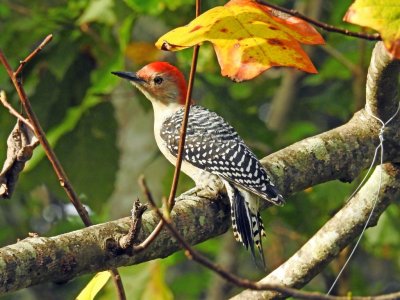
(72, 92)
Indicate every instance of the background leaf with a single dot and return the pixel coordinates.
(381, 15)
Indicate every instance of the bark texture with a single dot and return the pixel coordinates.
(349, 149)
(40, 259)
(335, 235)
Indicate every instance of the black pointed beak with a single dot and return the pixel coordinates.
(129, 75)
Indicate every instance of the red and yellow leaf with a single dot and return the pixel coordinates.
(248, 38)
(381, 15)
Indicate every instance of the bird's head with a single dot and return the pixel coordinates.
(159, 81)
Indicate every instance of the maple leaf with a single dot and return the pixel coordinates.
(381, 15)
(248, 38)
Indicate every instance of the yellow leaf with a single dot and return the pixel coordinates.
(94, 286)
(381, 15)
(248, 38)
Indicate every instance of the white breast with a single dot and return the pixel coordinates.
(161, 112)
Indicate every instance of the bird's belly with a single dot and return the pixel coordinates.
(190, 170)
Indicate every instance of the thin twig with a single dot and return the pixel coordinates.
(39, 133)
(150, 238)
(245, 283)
(145, 189)
(3, 100)
(137, 211)
(327, 27)
(37, 129)
(39, 48)
(116, 277)
(171, 198)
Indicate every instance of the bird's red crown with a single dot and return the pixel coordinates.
(170, 71)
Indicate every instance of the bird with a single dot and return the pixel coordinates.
(214, 156)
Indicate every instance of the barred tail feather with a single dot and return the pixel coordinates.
(248, 228)
(259, 233)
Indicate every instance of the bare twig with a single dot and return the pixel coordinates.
(136, 218)
(116, 277)
(3, 100)
(327, 27)
(37, 129)
(145, 189)
(150, 238)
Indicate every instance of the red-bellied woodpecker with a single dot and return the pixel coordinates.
(212, 150)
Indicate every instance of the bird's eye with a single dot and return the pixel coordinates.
(158, 80)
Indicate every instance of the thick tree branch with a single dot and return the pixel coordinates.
(343, 152)
(347, 224)
(307, 261)
(335, 235)
(382, 84)
(36, 260)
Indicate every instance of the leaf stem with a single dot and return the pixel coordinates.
(325, 26)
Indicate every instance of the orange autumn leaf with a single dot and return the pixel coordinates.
(248, 38)
(381, 15)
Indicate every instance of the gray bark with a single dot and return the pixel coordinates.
(335, 235)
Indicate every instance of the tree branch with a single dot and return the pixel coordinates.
(347, 224)
(36, 260)
(342, 153)
(6, 104)
(335, 235)
(39, 132)
(382, 83)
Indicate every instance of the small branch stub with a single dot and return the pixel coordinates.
(128, 240)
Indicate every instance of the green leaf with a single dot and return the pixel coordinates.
(61, 57)
(155, 7)
(151, 7)
(104, 83)
(98, 11)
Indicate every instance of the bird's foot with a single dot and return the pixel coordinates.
(189, 195)
(210, 191)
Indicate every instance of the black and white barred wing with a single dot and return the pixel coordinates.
(213, 145)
